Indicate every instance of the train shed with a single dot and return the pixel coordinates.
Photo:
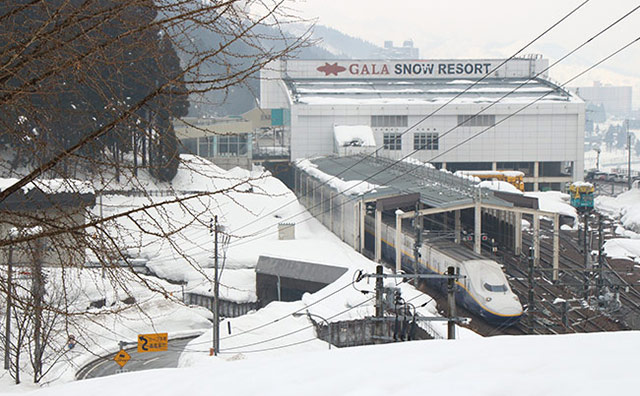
(354, 195)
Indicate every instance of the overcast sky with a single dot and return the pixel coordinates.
(496, 28)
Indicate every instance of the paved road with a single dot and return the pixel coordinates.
(139, 361)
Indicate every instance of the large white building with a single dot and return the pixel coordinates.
(431, 110)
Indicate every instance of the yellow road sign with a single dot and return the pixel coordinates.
(153, 342)
(122, 357)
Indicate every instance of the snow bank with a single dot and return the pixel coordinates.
(620, 248)
(534, 365)
(625, 206)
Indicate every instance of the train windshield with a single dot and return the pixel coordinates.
(496, 288)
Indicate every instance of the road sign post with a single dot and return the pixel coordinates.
(153, 342)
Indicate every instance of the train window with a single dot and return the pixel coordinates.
(495, 288)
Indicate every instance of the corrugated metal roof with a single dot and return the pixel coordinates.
(301, 270)
(425, 91)
(437, 189)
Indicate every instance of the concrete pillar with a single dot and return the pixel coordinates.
(477, 237)
(536, 239)
(536, 175)
(556, 246)
(494, 166)
(444, 165)
(517, 229)
(331, 213)
(398, 241)
(320, 207)
(342, 222)
(378, 243)
(356, 226)
(457, 225)
(363, 214)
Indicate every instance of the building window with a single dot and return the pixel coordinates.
(425, 141)
(205, 146)
(232, 145)
(392, 141)
(389, 121)
(189, 146)
(480, 120)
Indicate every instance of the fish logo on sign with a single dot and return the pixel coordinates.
(328, 69)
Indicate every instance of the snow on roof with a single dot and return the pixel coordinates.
(507, 173)
(51, 186)
(497, 185)
(581, 184)
(354, 135)
(343, 92)
(554, 201)
(351, 187)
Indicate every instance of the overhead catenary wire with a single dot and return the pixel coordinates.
(395, 162)
(373, 154)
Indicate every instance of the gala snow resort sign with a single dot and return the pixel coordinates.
(328, 69)
(405, 69)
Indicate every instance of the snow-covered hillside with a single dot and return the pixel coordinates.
(581, 364)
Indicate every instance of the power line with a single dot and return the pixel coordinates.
(257, 236)
(440, 107)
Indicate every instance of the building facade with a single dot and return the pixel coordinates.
(433, 110)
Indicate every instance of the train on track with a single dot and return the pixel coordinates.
(483, 289)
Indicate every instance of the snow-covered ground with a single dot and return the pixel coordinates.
(580, 364)
(250, 206)
(277, 351)
(625, 208)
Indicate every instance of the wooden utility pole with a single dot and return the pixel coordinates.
(216, 291)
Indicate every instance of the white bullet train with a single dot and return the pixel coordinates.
(484, 290)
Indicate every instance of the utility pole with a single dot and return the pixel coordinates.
(379, 290)
(7, 327)
(531, 305)
(600, 280)
(629, 155)
(451, 302)
(216, 290)
(417, 223)
(586, 255)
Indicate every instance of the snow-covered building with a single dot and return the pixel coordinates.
(434, 111)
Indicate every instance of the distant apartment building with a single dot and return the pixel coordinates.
(616, 100)
(407, 51)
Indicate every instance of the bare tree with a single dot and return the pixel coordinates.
(89, 90)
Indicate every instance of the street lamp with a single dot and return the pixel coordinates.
(309, 315)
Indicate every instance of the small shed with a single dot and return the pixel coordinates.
(280, 279)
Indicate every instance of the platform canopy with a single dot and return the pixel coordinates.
(436, 188)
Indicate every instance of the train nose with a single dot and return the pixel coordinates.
(507, 304)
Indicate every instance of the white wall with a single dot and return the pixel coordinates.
(546, 132)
